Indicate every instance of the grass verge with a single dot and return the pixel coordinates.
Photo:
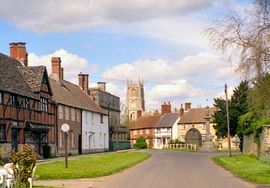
(247, 167)
(89, 166)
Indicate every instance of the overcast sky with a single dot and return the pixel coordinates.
(160, 41)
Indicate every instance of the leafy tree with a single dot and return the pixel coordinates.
(238, 105)
(140, 143)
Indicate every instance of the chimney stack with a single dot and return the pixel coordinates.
(165, 108)
(182, 110)
(187, 106)
(62, 73)
(83, 82)
(56, 68)
(102, 86)
(17, 50)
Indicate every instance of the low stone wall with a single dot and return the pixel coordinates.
(260, 149)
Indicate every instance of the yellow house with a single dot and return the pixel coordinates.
(192, 126)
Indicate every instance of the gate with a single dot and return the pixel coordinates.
(193, 136)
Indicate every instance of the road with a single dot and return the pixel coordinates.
(166, 169)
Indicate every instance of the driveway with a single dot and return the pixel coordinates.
(165, 169)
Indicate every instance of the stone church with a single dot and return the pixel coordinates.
(135, 104)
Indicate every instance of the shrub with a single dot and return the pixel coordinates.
(24, 162)
(140, 143)
(46, 151)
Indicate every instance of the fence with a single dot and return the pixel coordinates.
(181, 146)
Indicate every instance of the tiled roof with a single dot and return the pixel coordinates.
(69, 94)
(34, 76)
(11, 78)
(148, 121)
(168, 120)
(196, 115)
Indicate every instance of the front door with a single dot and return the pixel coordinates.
(14, 139)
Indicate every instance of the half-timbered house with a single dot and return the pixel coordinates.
(27, 113)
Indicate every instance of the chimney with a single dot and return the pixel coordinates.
(182, 110)
(17, 50)
(83, 82)
(56, 67)
(62, 73)
(165, 108)
(102, 86)
(187, 106)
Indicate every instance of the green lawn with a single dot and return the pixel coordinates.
(248, 167)
(89, 166)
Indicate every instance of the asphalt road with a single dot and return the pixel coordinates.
(169, 169)
(165, 169)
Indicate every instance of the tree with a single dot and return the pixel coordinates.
(238, 105)
(140, 143)
(245, 36)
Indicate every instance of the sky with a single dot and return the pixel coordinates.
(162, 42)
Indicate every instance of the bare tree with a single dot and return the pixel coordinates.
(245, 35)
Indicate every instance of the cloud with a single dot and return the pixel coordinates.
(68, 15)
(72, 64)
(160, 70)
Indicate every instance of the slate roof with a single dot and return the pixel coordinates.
(34, 76)
(196, 115)
(69, 94)
(11, 78)
(148, 121)
(168, 120)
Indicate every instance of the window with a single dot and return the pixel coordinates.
(101, 118)
(60, 138)
(25, 103)
(92, 118)
(135, 132)
(141, 132)
(94, 139)
(85, 117)
(78, 115)
(183, 126)
(100, 139)
(72, 114)
(60, 112)
(44, 104)
(66, 113)
(14, 100)
(72, 137)
(1, 98)
(147, 131)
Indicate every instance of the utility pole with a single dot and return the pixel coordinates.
(228, 122)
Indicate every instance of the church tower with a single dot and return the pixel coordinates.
(135, 105)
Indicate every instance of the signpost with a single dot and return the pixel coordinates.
(65, 129)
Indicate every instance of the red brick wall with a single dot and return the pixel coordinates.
(147, 133)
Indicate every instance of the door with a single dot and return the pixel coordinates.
(14, 139)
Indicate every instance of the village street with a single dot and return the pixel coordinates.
(164, 169)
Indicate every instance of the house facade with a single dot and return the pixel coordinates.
(117, 133)
(27, 113)
(144, 126)
(75, 108)
(192, 126)
(166, 129)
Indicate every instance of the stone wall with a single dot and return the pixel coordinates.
(260, 149)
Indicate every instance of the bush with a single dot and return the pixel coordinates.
(24, 162)
(46, 151)
(140, 143)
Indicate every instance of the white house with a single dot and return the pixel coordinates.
(166, 129)
(95, 132)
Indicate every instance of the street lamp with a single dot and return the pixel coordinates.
(65, 129)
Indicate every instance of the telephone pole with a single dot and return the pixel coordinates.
(228, 122)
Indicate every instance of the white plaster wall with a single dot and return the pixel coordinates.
(95, 135)
(175, 129)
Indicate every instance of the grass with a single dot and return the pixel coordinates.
(90, 165)
(247, 167)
